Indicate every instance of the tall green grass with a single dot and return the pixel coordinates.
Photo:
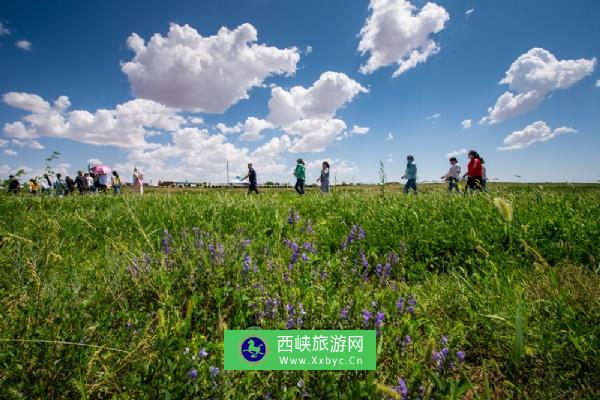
(92, 306)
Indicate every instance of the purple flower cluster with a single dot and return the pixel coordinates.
(411, 305)
(295, 252)
(217, 253)
(245, 243)
(246, 263)
(293, 217)
(167, 240)
(366, 314)
(139, 265)
(295, 319)
(271, 306)
(344, 313)
(402, 389)
(441, 358)
(356, 233)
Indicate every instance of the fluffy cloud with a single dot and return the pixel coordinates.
(191, 72)
(23, 45)
(314, 135)
(3, 142)
(308, 114)
(434, 116)
(395, 33)
(389, 137)
(4, 30)
(94, 161)
(126, 126)
(250, 130)
(469, 11)
(330, 92)
(32, 144)
(10, 152)
(467, 124)
(598, 83)
(531, 77)
(456, 153)
(359, 130)
(536, 132)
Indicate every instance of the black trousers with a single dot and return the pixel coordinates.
(474, 183)
(299, 186)
(253, 188)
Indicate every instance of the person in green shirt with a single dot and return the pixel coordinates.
(410, 175)
(300, 174)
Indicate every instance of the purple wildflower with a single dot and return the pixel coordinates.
(402, 389)
(445, 352)
(129, 325)
(246, 243)
(363, 260)
(203, 353)
(304, 257)
(309, 228)
(379, 318)
(344, 313)
(378, 270)
(400, 305)
(366, 316)
(460, 355)
(166, 241)
(246, 264)
(407, 340)
(411, 310)
(193, 373)
(214, 371)
(444, 340)
(324, 274)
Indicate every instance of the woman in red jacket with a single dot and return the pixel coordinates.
(474, 171)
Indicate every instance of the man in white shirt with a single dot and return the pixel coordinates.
(453, 175)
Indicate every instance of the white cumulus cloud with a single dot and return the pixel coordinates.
(467, 124)
(397, 33)
(188, 71)
(23, 45)
(536, 132)
(598, 83)
(126, 126)
(32, 144)
(3, 29)
(359, 130)
(308, 115)
(456, 153)
(533, 76)
(10, 152)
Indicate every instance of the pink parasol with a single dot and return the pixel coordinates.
(100, 169)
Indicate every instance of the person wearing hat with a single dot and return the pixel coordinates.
(410, 175)
(300, 174)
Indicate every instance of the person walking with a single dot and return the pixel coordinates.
(33, 187)
(102, 182)
(474, 172)
(484, 177)
(115, 181)
(138, 181)
(60, 185)
(90, 182)
(14, 186)
(410, 175)
(81, 182)
(46, 185)
(251, 176)
(71, 185)
(324, 178)
(300, 174)
(453, 175)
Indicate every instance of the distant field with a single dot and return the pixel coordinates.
(101, 295)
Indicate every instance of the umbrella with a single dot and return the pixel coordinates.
(100, 169)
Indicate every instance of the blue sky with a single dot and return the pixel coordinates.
(78, 49)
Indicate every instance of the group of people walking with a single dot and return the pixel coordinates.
(476, 174)
(84, 183)
(299, 174)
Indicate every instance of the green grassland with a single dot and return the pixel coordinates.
(101, 295)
